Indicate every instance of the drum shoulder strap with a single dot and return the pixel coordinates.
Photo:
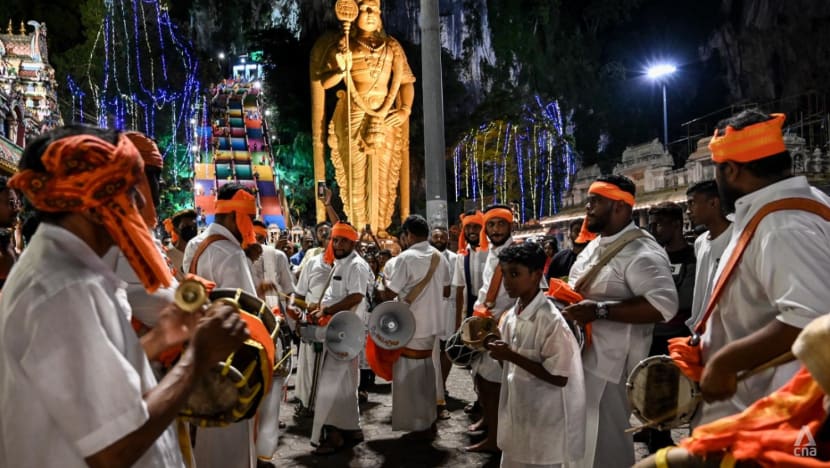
(795, 203)
(613, 249)
(416, 291)
(201, 249)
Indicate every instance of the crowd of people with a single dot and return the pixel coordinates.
(87, 312)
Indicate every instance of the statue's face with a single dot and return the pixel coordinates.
(369, 18)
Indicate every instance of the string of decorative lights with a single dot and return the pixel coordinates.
(529, 161)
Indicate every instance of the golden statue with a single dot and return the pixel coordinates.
(369, 131)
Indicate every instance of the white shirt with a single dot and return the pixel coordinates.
(273, 266)
(782, 276)
(350, 275)
(459, 277)
(429, 308)
(145, 306)
(449, 325)
(313, 252)
(503, 301)
(224, 262)
(641, 268)
(540, 423)
(72, 371)
(313, 279)
(708, 252)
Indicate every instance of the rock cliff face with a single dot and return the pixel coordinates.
(772, 49)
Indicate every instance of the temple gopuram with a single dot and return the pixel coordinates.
(28, 91)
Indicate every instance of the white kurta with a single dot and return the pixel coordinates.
(273, 266)
(540, 423)
(640, 269)
(336, 403)
(413, 380)
(310, 285)
(223, 262)
(708, 253)
(483, 365)
(145, 306)
(782, 276)
(72, 370)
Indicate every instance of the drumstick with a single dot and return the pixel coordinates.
(297, 302)
(289, 353)
(774, 362)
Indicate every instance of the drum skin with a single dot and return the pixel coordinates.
(661, 395)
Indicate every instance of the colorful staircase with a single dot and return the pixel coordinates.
(238, 151)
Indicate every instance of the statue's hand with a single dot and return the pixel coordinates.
(344, 61)
(396, 117)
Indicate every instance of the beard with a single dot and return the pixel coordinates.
(728, 197)
(440, 246)
(341, 254)
(597, 225)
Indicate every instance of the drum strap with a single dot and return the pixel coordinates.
(798, 204)
(416, 291)
(613, 249)
(201, 249)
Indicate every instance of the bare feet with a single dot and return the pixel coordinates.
(477, 426)
(485, 446)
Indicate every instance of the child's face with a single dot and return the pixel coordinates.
(519, 280)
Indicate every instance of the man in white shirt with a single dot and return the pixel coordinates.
(439, 238)
(310, 288)
(181, 227)
(631, 293)
(703, 208)
(216, 255)
(413, 375)
(779, 285)
(78, 389)
(492, 301)
(335, 408)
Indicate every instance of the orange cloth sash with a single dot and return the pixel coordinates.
(611, 192)
(477, 218)
(339, 230)
(242, 204)
(751, 143)
(585, 235)
(767, 431)
(168, 226)
(85, 173)
(687, 357)
(484, 310)
(381, 360)
(563, 292)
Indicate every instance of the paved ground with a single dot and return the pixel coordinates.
(384, 447)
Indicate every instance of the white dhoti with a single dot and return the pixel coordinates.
(508, 463)
(363, 364)
(439, 376)
(413, 389)
(268, 421)
(608, 412)
(488, 368)
(336, 401)
(305, 373)
(226, 447)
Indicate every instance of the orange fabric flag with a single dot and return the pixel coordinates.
(771, 431)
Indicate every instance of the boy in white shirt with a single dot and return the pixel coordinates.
(542, 399)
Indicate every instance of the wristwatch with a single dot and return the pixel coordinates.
(602, 310)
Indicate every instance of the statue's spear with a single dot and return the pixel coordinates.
(346, 12)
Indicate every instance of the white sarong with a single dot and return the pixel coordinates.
(413, 390)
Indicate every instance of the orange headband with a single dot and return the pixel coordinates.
(84, 173)
(339, 230)
(150, 153)
(477, 218)
(168, 226)
(242, 204)
(502, 213)
(611, 192)
(260, 231)
(751, 143)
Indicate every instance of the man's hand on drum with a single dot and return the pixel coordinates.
(173, 328)
(318, 311)
(218, 333)
(583, 312)
(718, 381)
(500, 351)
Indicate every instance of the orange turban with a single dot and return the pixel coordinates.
(477, 218)
(168, 226)
(751, 143)
(339, 230)
(494, 213)
(243, 204)
(609, 191)
(86, 173)
(260, 231)
(151, 156)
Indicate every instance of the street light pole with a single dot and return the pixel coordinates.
(665, 121)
